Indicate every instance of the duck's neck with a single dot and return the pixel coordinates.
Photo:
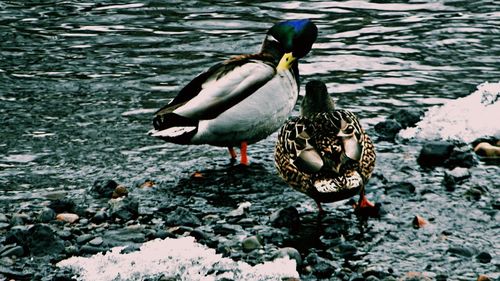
(318, 103)
(272, 47)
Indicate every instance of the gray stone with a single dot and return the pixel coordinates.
(104, 188)
(125, 209)
(182, 216)
(96, 241)
(407, 117)
(84, 238)
(64, 205)
(387, 130)
(251, 243)
(17, 251)
(290, 252)
(46, 215)
(435, 153)
(287, 217)
(42, 240)
(484, 257)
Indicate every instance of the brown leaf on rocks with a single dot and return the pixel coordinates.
(483, 277)
(67, 217)
(148, 184)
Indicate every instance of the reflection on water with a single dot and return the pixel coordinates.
(79, 80)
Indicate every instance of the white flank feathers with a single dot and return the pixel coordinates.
(172, 132)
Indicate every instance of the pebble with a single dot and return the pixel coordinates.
(46, 215)
(19, 219)
(486, 149)
(251, 243)
(483, 277)
(3, 218)
(17, 251)
(461, 157)
(484, 257)
(435, 153)
(64, 205)
(100, 217)
(42, 240)
(241, 210)
(104, 188)
(290, 252)
(419, 222)
(407, 117)
(347, 249)
(67, 217)
(120, 191)
(388, 129)
(182, 216)
(124, 209)
(402, 188)
(226, 229)
(96, 241)
(461, 251)
(15, 274)
(323, 269)
(287, 217)
(84, 238)
(87, 249)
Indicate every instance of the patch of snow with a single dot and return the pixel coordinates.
(181, 259)
(465, 119)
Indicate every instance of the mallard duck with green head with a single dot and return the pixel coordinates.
(241, 100)
(325, 153)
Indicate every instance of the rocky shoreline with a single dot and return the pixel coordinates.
(249, 214)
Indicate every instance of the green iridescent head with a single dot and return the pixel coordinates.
(294, 36)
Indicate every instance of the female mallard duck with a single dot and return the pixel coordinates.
(325, 153)
(241, 100)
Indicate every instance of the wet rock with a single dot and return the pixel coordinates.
(251, 243)
(388, 129)
(124, 209)
(64, 205)
(120, 191)
(287, 217)
(290, 252)
(474, 193)
(127, 234)
(100, 217)
(371, 278)
(42, 240)
(88, 249)
(483, 277)
(15, 250)
(96, 241)
(240, 211)
(198, 234)
(104, 188)
(407, 117)
(486, 149)
(484, 257)
(419, 222)
(434, 153)
(14, 274)
(46, 215)
(19, 219)
(182, 216)
(226, 229)
(460, 157)
(323, 269)
(403, 188)
(67, 217)
(147, 184)
(64, 234)
(416, 276)
(347, 250)
(84, 238)
(463, 251)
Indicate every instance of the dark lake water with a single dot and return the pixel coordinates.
(80, 81)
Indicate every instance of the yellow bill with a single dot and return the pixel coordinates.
(286, 62)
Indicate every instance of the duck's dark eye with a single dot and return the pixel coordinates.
(349, 129)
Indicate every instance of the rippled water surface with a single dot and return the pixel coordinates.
(79, 81)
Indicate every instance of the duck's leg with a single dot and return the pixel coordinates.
(364, 202)
(320, 209)
(232, 153)
(243, 150)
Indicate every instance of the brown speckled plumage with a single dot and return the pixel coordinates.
(326, 155)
